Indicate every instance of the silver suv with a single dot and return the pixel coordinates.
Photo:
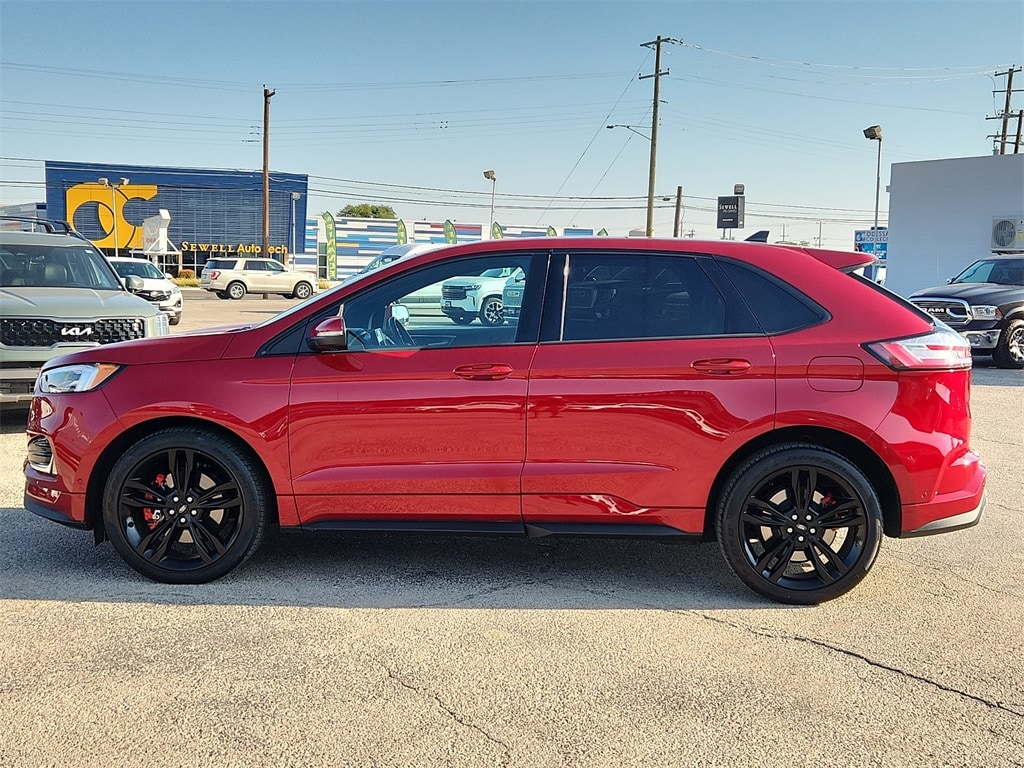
(59, 294)
(232, 278)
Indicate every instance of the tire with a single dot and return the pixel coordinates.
(188, 536)
(799, 524)
(302, 291)
(1009, 352)
(236, 290)
(490, 311)
(462, 319)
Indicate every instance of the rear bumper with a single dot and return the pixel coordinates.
(954, 523)
(951, 511)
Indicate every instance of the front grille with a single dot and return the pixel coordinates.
(154, 295)
(453, 292)
(37, 332)
(955, 313)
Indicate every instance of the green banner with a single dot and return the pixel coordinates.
(403, 236)
(602, 232)
(332, 247)
(450, 235)
(496, 232)
(552, 232)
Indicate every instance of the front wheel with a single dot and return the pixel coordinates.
(1009, 352)
(236, 291)
(302, 291)
(185, 506)
(799, 524)
(491, 311)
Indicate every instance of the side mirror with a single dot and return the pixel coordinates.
(168, 275)
(400, 312)
(133, 283)
(329, 336)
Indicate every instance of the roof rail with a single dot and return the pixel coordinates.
(50, 225)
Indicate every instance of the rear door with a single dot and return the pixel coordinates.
(648, 375)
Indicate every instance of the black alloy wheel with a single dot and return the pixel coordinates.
(185, 506)
(799, 524)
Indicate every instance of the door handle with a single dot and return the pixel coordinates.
(722, 366)
(483, 371)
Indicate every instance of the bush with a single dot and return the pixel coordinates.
(187, 274)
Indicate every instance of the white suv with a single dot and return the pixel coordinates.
(463, 299)
(233, 278)
(156, 286)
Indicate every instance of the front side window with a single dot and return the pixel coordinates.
(626, 296)
(452, 303)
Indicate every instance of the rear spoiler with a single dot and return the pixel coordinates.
(844, 261)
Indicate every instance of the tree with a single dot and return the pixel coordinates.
(368, 211)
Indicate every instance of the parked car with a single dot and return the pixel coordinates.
(512, 297)
(465, 299)
(58, 295)
(765, 396)
(156, 286)
(394, 253)
(232, 278)
(985, 303)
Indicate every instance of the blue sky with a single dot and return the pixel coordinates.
(408, 103)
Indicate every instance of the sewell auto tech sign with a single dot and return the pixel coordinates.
(730, 212)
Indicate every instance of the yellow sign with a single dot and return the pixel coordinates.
(111, 200)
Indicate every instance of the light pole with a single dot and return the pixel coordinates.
(494, 182)
(113, 206)
(295, 199)
(874, 133)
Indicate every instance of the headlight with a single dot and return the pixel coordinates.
(472, 287)
(175, 290)
(75, 378)
(986, 312)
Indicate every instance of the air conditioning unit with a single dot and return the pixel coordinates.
(1008, 234)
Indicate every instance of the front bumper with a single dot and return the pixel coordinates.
(982, 341)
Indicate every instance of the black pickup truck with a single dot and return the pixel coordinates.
(985, 304)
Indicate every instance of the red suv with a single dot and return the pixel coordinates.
(764, 396)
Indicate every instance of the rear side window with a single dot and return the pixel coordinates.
(779, 307)
(626, 296)
(219, 264)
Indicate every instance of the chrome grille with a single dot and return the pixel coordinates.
(454, 292)
(953, 312)
(41, 332)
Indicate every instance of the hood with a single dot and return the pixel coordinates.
(973, 293)
(71, 304)
(207, 344)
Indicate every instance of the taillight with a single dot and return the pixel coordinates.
(214, 274)
(941, 349)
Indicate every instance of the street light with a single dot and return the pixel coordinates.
(494, 182)
(295, 198)
(113, 205)
(630, 128)
(874, 133)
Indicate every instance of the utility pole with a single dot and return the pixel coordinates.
(1001, 137)
(654, 125)
(267, 93)
(679, 211)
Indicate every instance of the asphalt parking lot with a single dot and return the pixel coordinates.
(379, 650)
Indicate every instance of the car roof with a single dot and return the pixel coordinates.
(761, 254)
(17, 237)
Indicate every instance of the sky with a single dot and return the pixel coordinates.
(407, 103)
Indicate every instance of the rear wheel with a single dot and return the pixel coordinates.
(236, 290)
(185, 506)
(302, 291)
(1009, 353)
(799, 524)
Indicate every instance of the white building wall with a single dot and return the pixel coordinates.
(940, 215)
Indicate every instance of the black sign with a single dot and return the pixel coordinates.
(730, 212)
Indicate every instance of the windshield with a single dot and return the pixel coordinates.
(999, 271)
(56, 266)
(138, 268)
